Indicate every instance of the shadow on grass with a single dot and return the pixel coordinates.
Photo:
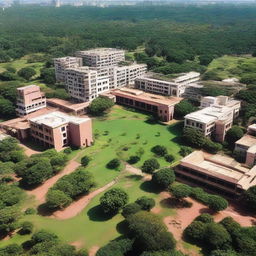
(43, 210)
(96, 214)
(134, 177)
(174, 203)
(150, 187)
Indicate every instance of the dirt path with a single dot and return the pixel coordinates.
(134, 170)
(76, 207)
(41, 191)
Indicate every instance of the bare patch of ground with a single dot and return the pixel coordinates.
(78, 244)
(93, 250)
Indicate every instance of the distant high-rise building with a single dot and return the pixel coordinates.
(56, 3)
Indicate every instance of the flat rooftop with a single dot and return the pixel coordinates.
(27, 86)
(209, 114)
(57, 118)
(68, 104)
(101, 51)
(247, 140)
(140, 95)
(222, 167)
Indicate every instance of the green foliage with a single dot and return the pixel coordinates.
(217, 203)
(180, 191)
(231, 226)
(48, 75)
(159, 150)
(57, 199)
(12, 250)
(163, 178)
(133, 159)
(248, 78)
(30, 211)
(114, 163)
(150, 165)
(146, 203)
(205, 59)
(27, 73)
(67, 150)
(193, 137)
(149, 233)
(26, 228)
(116, 248)
(184, 151)
(183, 108)
(100, 105)
(212, 147)
(195, 232)
(113, 200)
(85, 160)
(131, 208)
(249, 198)
(234, 134)
(163, 253)
(7, 109)
(169, 158)
(223, 253)
(205, 218)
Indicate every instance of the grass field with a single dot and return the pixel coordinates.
(120, 129)
(231, 66)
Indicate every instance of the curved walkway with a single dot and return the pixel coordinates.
(41, 191)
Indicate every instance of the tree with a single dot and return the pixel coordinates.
(48, 75)
(231, 226)
(150, 165)
(163, 253)
(27, 73)
(249, 198)
(85, 161)
(133, 159)
(223, 253)
(163, 178)
(211, 146)
(205, 218)
(169, 158)
(216, 236)
(114, 163)
(183, 108)
(26, 228)
(233, 134)
(193, 137)
(99, 105)
(149, 233)
(180, 191)
(217, 203)
(7, 109)
(146, 203)
(195, 231)
(131, 208)
(113, 200)
(205, 59)
(184, 151)
(57, 199)
(159, 150)
(43, 236)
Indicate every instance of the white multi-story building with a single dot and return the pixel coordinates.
(101, 57)
(84, 84)
(173, 87)
(61, 64)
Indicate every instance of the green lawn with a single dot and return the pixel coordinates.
(121, 128)
(231, 66)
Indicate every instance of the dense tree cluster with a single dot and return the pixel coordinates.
(68, 188)
(226, 238)
(183, 108)
(150, 165)
(163, 178)
(100, 105)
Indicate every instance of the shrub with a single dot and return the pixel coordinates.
(211, 146)
(133, 159)
(26, 228)
(193, 137)
(99, 105)
(180, 191)
(113, 200)
(114, 163)
(217, 203)
(30, 211)
(131, 208)
(184, 151)
(163, 178)
(146, 203)
(57, 199)
(231, 225)
(149, 233)
(150, 165)
(169, 158)
(85, 161)
(249, 198)
(195, 231)
(67, 150)
(27, 73)
(233, 134)
(205, 218)
(200, 195)
(183, 108)
(159, 150)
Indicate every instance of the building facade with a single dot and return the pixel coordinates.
(61, 64)
(171, 87)
(157, 105)
(83, 84)
(216, 172)
(58, 130)
(29, 99)
(101, 57)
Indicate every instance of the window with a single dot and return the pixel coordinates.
(63, 129)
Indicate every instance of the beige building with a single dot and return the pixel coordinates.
(158, 105)
(29, 99)
(61, 64)
(152, 83)
(58, 130)
(83, 84)
(216, 172)
(246, 146)
(101, 57)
